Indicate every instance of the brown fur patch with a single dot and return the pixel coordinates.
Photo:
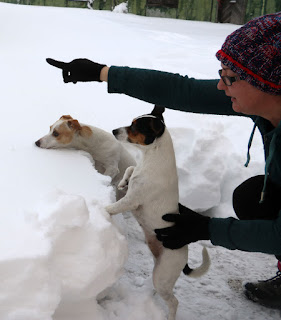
(74, 125)
(86, 132)
(65, 134)
(136, 137)
(68, 117)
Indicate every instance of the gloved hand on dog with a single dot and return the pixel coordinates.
(78, 70)
(189, 227)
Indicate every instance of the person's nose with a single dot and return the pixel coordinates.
(221, 85)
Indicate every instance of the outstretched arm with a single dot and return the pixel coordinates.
(162, 88)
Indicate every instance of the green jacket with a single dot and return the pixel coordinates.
(201, 96)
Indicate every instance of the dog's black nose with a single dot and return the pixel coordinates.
(38, 143)
(115, 132)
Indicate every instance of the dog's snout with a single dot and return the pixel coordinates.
(38, 143)
(115, 132)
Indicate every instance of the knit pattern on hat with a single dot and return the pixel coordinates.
(254, 53)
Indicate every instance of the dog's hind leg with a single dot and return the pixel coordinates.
(164, 284)
(167, 270)
(122, 205)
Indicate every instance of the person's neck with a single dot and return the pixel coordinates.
(275, 123)
(274, 120)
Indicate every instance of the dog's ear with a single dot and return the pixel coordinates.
(158, 111)
(66, 118)
(74, 125)
(158, 126)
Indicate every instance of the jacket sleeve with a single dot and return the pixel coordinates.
(170, 90)
(247, 235)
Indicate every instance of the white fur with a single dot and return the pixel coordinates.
(152, 192)
(110, 156)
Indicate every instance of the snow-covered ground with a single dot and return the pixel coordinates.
(61, 256)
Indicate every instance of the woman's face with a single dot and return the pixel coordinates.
(249, 100)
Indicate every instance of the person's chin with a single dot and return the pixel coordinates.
(235, 106)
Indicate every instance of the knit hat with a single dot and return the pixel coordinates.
(254, 53)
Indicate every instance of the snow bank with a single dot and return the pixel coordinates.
(64, 250)
(203, 167)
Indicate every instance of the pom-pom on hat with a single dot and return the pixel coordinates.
(254, 53)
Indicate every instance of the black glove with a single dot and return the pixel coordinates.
(78, 70)
(189, 227)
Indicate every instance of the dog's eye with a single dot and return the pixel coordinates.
(55, 134)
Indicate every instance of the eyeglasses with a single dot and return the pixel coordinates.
(228, 80)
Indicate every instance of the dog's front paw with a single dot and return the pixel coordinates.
(109, 209)
(122, 184)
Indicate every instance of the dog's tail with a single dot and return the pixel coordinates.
(198, 272)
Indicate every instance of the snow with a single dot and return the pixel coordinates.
(61, 255)
(121, 8)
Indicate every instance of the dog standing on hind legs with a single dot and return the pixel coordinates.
(152, 192)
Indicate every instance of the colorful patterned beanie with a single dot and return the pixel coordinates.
(254, 53)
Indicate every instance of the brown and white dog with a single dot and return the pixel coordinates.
(110, 156)
(152, 192)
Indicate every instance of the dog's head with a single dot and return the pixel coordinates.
(144, 130)
(63, 133)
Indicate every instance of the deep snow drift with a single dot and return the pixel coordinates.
(62, 256)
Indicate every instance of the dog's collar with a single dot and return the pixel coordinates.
(150, 116)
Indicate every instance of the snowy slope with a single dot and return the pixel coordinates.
(59, 250)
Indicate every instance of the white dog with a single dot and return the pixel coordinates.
(152, 192)
(110, 156)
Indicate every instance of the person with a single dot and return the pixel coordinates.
(249, 86)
